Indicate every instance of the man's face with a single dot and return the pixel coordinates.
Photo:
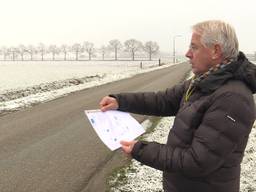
(200, 57)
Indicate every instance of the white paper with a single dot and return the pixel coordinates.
(114, 126)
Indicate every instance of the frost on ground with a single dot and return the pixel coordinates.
(137, 177)
(22, 74)
(25, 84)
(248, 175)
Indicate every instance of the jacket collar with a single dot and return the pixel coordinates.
(241, 69)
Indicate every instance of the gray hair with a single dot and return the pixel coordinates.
(218, 32)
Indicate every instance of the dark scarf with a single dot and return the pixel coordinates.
(197, 80)
(241, 69)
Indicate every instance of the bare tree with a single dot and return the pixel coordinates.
(151, 48)
(4, 52)
(31, 51)
(77, 48)
(103, 51)
(89, 48)
(21, 50)
(54, 50)
(64, 49)
(115, 45)
(42, 50)
(132, 46)
(13, 51)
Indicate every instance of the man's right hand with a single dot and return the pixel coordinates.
(108, 103)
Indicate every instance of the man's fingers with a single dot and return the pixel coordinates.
(125, 143)
(103, 102)
(103, 109)
(126, 146)
(108, 103)
(106, 107)
(126, 149)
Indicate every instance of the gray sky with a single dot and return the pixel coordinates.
(98, 21)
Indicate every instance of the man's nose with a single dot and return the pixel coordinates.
(188, 54)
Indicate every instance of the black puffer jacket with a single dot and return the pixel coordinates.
(207, 141)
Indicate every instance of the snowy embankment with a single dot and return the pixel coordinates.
(23, 84)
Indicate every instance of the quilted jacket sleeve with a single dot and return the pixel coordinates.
(225, 124)
(162, 103)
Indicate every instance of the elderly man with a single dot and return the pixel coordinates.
(214, 115)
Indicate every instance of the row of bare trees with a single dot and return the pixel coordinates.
(114, 47)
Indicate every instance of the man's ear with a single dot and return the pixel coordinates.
(216, 52)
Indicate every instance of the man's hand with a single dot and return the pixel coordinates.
(127, 146)
(108, 103)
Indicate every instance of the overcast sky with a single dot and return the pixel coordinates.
(98, 21)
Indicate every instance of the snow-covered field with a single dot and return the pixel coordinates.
(23, 84)
(18, 74)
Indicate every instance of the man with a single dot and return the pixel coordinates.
(214, 115)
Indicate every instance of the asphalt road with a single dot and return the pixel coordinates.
(51, 147)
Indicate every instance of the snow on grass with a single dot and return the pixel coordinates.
(25, 84)
(248, 178)
(18, 74)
